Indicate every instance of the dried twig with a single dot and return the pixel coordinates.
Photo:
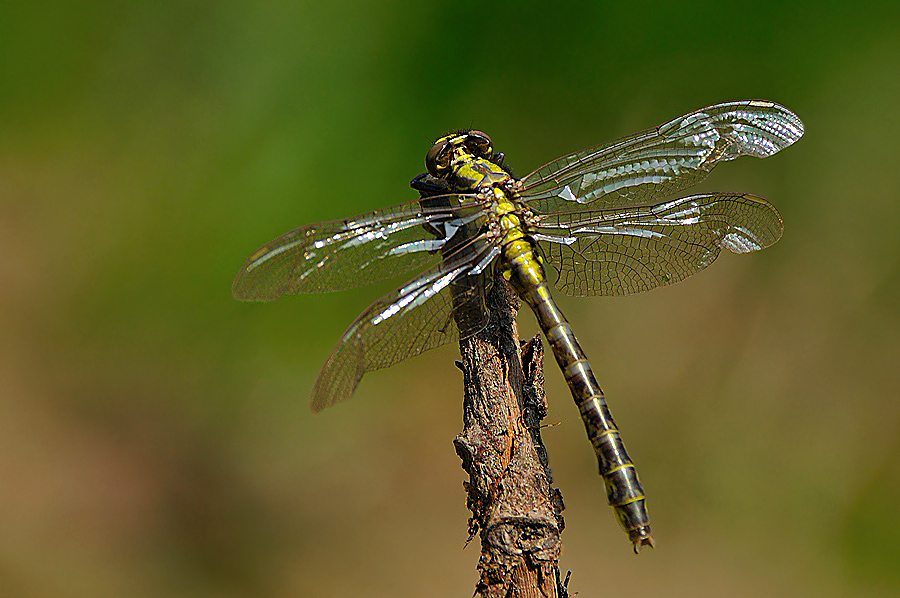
(515, 510)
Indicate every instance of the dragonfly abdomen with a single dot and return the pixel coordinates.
(623, 489)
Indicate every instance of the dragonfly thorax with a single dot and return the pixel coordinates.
(476, 174)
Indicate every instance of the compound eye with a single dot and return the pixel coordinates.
(437, 161)
(479, 144)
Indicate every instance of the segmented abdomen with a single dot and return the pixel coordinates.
(623, 489)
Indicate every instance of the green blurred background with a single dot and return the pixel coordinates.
(154, 434)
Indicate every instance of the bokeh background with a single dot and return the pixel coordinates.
(155, 438)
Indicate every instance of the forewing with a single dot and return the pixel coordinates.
(410, 320)
(343, 254)
(617, 252)
(641, 168)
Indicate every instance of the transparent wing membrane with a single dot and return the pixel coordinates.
(410, 320)
(344, 254)
(644, 167)
(595, 215)
(617, 252)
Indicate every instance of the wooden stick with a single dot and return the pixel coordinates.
(515, 510)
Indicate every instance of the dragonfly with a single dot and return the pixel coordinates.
(595, 219)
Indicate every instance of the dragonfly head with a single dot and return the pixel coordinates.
(456, 146)
(464, 160)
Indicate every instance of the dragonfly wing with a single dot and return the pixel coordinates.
(343, 254)
(617, 252)
(417, 317)
(641, 168)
